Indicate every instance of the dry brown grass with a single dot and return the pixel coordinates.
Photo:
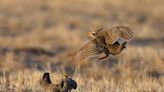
(27, 81)
(60, 26)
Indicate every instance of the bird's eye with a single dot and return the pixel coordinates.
(94, 33)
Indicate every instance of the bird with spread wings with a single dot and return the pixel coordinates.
(108, 41)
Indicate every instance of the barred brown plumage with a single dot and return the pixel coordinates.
(105, 41)
(88, 50)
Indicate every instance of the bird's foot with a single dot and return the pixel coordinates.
(103, 58)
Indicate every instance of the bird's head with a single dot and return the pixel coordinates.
(93, 34)
(65, 76)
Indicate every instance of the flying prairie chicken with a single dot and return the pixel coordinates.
(108, 41)
(66, 84)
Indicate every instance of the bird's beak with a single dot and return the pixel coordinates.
(92, 34)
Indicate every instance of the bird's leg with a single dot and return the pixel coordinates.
(103, 57)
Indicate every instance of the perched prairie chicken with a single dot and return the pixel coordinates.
(65, 85)
(106, 41)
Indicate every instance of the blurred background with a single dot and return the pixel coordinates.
(46, 34)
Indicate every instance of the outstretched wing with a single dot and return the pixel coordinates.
(119, 32)
(88, 50)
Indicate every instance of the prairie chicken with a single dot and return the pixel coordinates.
(47, 85)
(65, 85)
(106, 41)
(68, 83)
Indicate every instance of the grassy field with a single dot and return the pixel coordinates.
(38, 36)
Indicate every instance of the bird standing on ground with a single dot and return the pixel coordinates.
(106, 41)
(47, 85)
(65, 85)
